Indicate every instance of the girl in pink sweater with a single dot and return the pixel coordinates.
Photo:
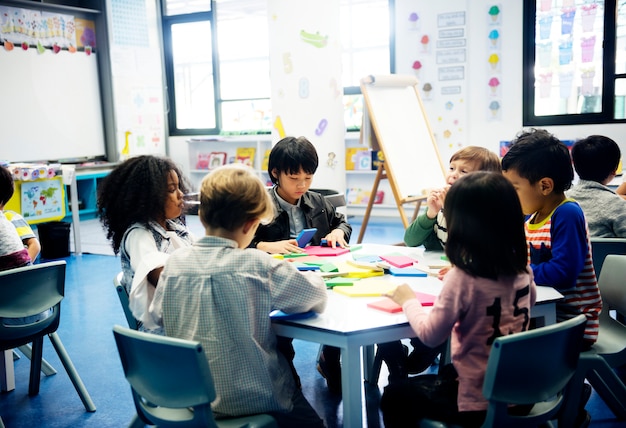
(487, 294)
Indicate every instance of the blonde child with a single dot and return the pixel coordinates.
(221, 294)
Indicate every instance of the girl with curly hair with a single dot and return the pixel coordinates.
(140, 205)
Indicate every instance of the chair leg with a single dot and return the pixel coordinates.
(7, 373)
(1, 423)
(35, 366)
(71, 371)
(375, 370)
(135, 423)
(610, 388)
(46, 368)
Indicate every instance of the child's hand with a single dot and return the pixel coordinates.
(442, 272)
(280, 247)
(401, 294)
(434, 201)
(336, 238)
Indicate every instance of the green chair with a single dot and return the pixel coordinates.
(534, 368)
(123, 296)
(601, 247)
(609, 352)
(171, 382)
(30, 309)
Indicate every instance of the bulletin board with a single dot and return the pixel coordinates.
(400, 128)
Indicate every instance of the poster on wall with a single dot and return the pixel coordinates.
(42, 200)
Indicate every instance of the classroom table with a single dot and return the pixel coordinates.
(350, 325)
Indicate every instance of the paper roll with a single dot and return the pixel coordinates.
(389, 80)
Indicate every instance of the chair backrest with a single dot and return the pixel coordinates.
(532, 367)
(612, 284)
(168, 376)
(123, 296)
(601, 247)
(30, 302)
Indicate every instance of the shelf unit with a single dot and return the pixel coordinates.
(201, 148)
(87, 189)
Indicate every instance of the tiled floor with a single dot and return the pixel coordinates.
(89, 311)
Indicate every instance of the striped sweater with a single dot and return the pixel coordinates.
(559, 253)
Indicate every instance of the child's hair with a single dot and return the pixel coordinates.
(6, 185)
(595, 157)
(290, 155)
(485, 226)
(135, 192)
(536, 154)
(232, 195)
(485, 159)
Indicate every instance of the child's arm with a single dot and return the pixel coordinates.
(621, 190)
(422, 232)
(33, 247)
(279, 247)
(294, 291)
(569, 249)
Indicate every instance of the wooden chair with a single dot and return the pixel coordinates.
(534, 368)
(171, 382)
(122, 294)
(30, 305)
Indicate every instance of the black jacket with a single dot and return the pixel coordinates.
(318, 212)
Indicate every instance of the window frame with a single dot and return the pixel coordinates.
(167, 21)
(609, 76)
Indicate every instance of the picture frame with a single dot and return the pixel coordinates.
(216, 159)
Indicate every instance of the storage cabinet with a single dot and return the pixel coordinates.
(87, 188)
(208, 153)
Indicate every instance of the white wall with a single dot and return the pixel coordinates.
(480, 130)
(489, 133)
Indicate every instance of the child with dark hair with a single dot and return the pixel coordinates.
(540, 168)
(140, 204)
(596, 159)
(430, 230)
(221, 294)
(291, 166)
(490, 275)
(12, 251)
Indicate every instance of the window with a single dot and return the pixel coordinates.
(218, 82)
(574, 61)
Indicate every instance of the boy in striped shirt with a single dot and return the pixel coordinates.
(540, 168)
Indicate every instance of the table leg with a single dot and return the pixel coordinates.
(352, 386)
(7, 374)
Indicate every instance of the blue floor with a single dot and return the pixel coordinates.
(91, 308)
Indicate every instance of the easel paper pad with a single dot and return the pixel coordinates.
(389, 305)
(399, 261)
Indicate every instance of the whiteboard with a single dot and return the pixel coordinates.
(50, 106)
(412, 161)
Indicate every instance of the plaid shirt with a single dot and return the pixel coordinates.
(221, 296)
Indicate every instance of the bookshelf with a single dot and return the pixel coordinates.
(206, 153)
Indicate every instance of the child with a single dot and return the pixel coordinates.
(596, 159)
(429, 229)
(559, 252)
(220, 294)
(140, 204)
(26, 234)
(488, 293)
(13, 254)
(291, 166)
